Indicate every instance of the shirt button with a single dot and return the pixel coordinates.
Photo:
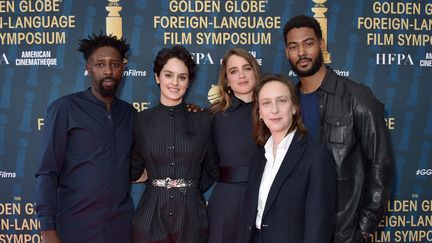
(171, 197)
(171, 117)
(170, 131)
(170, 214)
(171, 164)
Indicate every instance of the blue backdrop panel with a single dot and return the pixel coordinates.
(386, 45)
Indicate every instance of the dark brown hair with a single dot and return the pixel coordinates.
(179, 52)
(261, 133)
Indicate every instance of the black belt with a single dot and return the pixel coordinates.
(233, 174)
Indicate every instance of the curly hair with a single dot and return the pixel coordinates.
(302, 21)
(179, 52)
(261, 133)
(224, 101)
(94, 41)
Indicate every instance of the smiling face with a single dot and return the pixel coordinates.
(174, 81)
(105, 67)
(276, 108)
(241, 77)
(303, 51)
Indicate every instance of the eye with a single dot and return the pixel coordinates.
(168, 75)
(282, 101)
(116, 65)
(248, 68)
(265, 103)
(183, 78)
(100, 65)
(309, 43)
(292, 47)
(234, 71)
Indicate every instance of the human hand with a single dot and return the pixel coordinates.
(50, 236)
(193, 108)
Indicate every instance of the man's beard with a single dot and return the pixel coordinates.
(316, 65)
(108, 92)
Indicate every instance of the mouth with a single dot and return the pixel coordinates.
(275, 119)
(303, 62)
(108, 82)
(243, 83)
(174, 90)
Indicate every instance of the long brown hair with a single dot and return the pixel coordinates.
(261, 133)
(224, 101)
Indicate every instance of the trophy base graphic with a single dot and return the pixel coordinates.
(114, 20)
(326, 56)
(319, 11)
(114, 26)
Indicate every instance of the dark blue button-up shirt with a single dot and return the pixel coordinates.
(82, 181)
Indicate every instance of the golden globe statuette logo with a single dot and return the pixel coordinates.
(320, 9)
(213, 94)
(114, 20)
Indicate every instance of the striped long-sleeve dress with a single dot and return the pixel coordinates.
(172, 143)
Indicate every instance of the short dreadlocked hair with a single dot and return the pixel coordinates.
(94, 41)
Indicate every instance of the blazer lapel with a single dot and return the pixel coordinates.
(258, 169)
(291, 159)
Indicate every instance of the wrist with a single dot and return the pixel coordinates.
(366, 235)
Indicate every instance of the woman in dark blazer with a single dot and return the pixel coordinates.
(291, 192)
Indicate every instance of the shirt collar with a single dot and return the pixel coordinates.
(236, 103)
(328, 84)
(284, 144)
(177, 109)
(92, 97)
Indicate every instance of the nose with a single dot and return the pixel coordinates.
(274, 108)
(241, 74)
(175, 81)
(108, 70)
(301, 50)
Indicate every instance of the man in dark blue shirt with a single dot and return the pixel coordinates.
(82, 181)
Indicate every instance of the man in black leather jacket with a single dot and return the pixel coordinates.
(350, 121)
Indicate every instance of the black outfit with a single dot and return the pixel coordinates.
(171, 142)
(82, 181)
(235, 147)
(353, 128)
(302, 198)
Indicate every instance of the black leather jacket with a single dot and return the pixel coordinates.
(353, 127)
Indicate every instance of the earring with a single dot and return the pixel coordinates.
(229, 89)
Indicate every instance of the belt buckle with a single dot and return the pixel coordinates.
(169, 183)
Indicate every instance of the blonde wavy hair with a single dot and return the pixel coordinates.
(224, 101)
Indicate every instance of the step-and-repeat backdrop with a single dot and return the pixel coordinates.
(387, 45)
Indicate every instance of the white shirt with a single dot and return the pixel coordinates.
(271, 168)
